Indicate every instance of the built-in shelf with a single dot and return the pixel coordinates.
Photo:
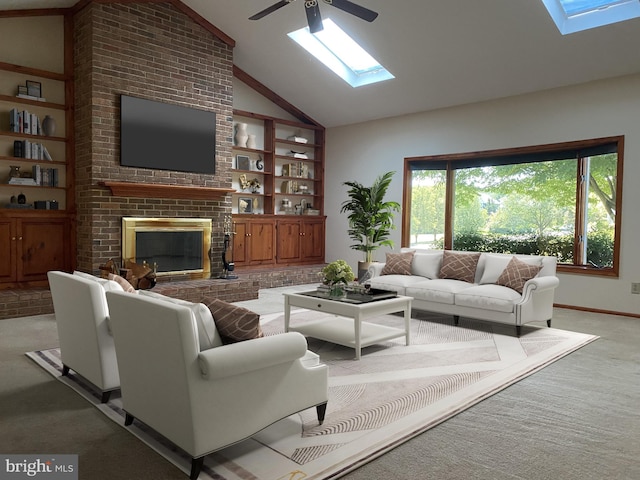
(156, 190)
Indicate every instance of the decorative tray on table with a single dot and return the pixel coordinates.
(359, 295)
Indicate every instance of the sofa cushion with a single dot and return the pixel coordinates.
(459, 265)
(234, 323)
(517, 274)
(438, 290)
(398, 263)
(208, 336)
(488, 297)
(395, 283)
(426, 264)
(493, 264)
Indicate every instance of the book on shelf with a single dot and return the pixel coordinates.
(36, 174)
(297, 139)
(30, 150)
(297, 154)
(49, 177)
(26, 122)
(21, 121)
(298, 170)
(22, 181)
(46, 154)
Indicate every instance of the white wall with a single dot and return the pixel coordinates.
(361, 152)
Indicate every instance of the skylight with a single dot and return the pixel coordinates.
(576, 15)
(341, 54)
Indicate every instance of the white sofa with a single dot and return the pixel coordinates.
(206, 399)
(483, 299)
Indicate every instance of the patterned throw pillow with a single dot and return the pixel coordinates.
(398, 264)
(517, 273)
(126, 286)
(459, 266)
(234, 323)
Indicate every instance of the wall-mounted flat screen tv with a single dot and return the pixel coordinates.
(166, 137)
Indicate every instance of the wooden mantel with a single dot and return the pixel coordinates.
(156, 190)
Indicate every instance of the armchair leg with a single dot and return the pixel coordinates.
(105, 396)
(128, 419)
(321, 410)
(518, 330)
(456, 319)
(196, 466)
(65, 370)
(549, 323)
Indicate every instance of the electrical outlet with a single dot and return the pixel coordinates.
(635, 288)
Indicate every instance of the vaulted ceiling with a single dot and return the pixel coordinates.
(442, 53)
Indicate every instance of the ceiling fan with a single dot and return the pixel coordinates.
(313, 11)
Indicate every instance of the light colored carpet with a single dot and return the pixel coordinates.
(394, 393)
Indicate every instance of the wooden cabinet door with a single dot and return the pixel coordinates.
(42, 245)
(240, 239)
(312, 241)
(261, 235)
(288, 241)
(8, 241)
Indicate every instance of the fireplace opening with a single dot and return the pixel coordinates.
(172, 246)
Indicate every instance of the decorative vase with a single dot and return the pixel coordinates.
(49, 126)
(337, 291)
(363, 270)
(241, 134)
(251, 141)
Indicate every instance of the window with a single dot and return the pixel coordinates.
(340, 53)
(572, 16)
(561, 199)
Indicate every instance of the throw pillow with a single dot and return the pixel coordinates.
(517, 273)
(234, 323)
(398, 264)
(126, 286)
(495, 263)
(427, 264)
(459, 266)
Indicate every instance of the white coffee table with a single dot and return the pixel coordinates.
(351, 331)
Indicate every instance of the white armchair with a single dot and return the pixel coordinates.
(203, 401)
(82, 314)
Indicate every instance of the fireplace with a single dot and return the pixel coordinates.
(172, 246)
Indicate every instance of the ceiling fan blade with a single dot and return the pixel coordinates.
(353, 9)
(270, 9)
(313, 16)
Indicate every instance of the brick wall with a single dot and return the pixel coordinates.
(153, 51)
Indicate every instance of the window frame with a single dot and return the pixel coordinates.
(449, 160)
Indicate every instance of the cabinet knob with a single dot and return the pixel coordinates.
(19, 238)
(13, 238)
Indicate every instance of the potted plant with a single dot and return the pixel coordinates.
(370, 217)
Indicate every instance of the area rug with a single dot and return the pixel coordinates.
(392, 394)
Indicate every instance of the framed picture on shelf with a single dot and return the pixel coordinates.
(34, 88)
(243, 162)
(22, 90)
(245, 205)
